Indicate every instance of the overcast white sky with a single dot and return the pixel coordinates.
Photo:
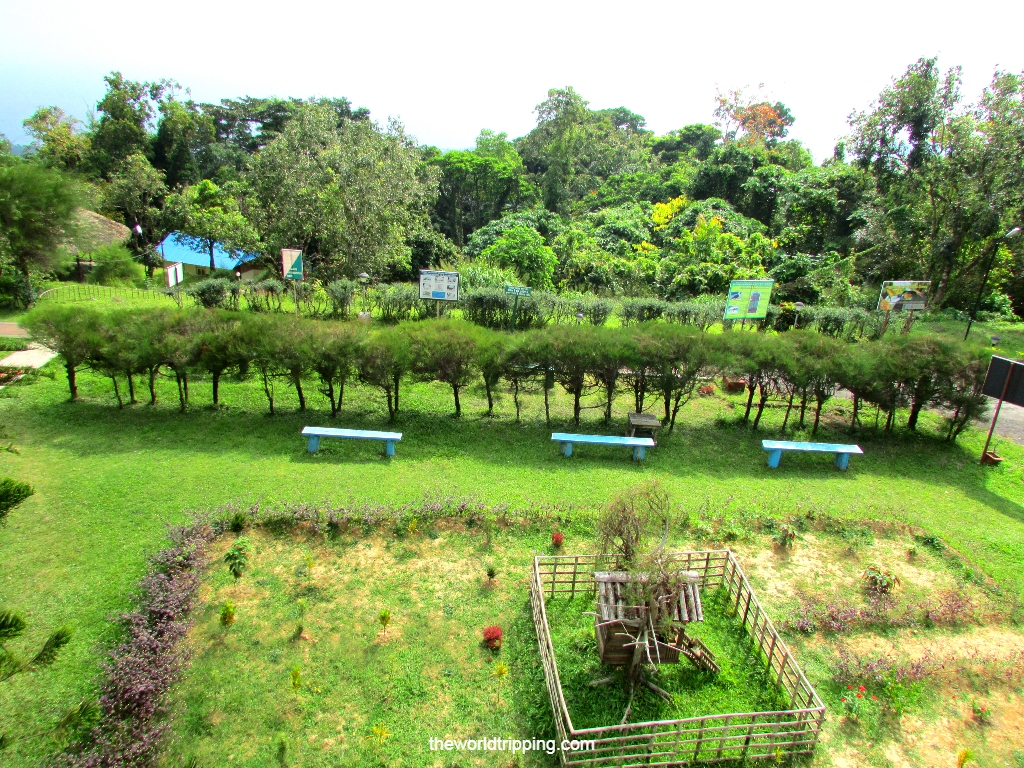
(448, 69)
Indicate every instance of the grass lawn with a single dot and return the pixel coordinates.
(108, 481)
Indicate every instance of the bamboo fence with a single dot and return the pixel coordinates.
(707, 739)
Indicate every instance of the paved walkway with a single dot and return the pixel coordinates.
(13, 329)
(33, 357)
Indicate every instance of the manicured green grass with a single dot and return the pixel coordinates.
(108, 481)
(430, 675)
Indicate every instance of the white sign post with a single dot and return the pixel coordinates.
(440, 286)
(175, 273)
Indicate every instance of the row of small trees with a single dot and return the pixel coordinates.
(660, 365)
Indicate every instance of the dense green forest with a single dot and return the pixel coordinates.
(924, 187)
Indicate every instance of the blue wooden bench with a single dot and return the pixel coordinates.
(638, 444)
(313, 435)
(776, 447)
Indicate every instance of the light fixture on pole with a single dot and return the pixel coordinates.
(364, 279)
(1015, 232)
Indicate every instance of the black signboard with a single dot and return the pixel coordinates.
(995, 381)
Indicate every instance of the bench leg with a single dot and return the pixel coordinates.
(842, 460)
(638, 453)
(773, 458)
(389, 448)
(313, 443)
(567, 450)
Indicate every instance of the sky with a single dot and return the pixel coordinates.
(449, 69)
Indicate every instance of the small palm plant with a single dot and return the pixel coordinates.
(237, 557)
(385, 619)
(296, 677)
(380, 735)
(227, 615)
(499, 673)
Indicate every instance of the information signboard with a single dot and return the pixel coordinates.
(904, 294)
(175, 273)
(748, 299)
(441, 286)
(517, 290)
(291, 263)
(1005, 380)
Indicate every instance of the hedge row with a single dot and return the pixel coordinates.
(493, 308)
(657, 363)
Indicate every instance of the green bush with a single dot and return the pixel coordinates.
(113, 265)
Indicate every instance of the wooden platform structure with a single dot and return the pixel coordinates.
(617, 623)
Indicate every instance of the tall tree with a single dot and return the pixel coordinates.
(127, 111)
(37, 216)
(136, 191)
(349, 196)
(59, 141)
(206, 215)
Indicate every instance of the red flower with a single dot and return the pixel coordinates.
(849, 687)
(493, 637)
(557, 538)
(843, 699)
(874, 698)
(861, 688)
(860, 695)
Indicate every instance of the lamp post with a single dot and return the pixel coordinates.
(1015, 232)
(798, 307)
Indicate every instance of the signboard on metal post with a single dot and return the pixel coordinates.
(517, 291)
(1005, 382)
(904, 294)
(440, 286)
(748, 299)
(175, 273)
(291, 263)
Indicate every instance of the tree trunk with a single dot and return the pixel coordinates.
(803, 408)
(856, 412)
(458, 405)
(515, 397)
(576, 407)
(609, 396)
(789, 409)
(391, 405)
(397, 380)
(297, 381)
(117, 393)
(817, 416)
(490, 396)
(268, 389)
(72, 381)
(547, 407)
(216, 388)
(131, 388)
(181, 391)
(330, 395)
(760, 408)
(152, 384)
(341, 391)
(751, 387)
(213, 264)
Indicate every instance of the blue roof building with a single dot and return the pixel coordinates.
(171, 251)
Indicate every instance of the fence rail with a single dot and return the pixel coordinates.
(86, 292)
(708, 739)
